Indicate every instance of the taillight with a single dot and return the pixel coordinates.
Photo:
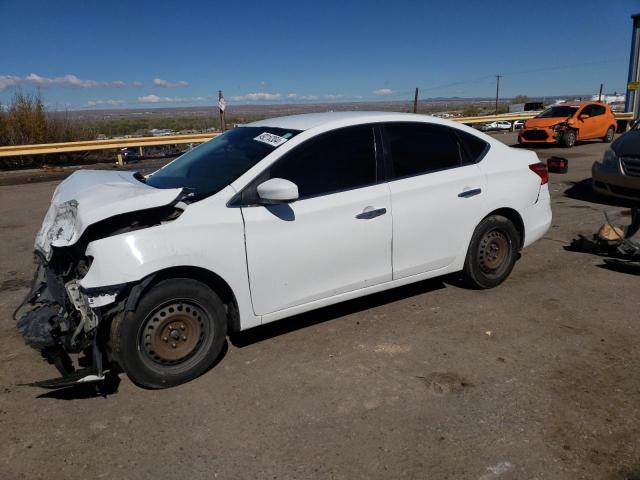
(541, 170)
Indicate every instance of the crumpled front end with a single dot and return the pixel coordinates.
(58, 317)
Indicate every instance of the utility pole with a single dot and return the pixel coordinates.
(632, 103)
(498, 77)
(415, 102)
(600, 94)
(222, 105)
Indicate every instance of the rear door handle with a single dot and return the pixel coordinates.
(470, 192)
(370, 212)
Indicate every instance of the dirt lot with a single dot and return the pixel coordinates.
(537, 379)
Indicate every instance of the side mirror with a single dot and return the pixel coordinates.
(583, 116)
(277, 190)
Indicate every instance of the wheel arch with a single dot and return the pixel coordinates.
(214, 281)
(514, 217)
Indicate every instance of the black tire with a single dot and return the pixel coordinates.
(492, 253)
(568, 139)
(174, 335)
(608, 138)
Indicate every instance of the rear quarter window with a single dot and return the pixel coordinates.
(473, 148)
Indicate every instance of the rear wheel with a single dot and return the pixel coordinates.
(173, 336)
(568, 138)
(608, 138)
(492, 253)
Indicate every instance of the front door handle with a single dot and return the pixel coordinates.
(370, 212)
(470, 192)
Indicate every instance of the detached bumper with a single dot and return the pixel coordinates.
(611, 181)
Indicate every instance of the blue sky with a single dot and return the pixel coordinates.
(117, 54)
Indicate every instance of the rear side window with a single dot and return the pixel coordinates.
(597, 110)
(338, 160)
(421, 148)
(473, 148)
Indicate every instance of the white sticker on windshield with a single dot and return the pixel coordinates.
(270, 139)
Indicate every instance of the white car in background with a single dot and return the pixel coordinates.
(518, 124)
(269, 220)
(497, 125)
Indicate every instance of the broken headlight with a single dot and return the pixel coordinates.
(559, 127)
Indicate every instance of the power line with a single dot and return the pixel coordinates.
(524, 72)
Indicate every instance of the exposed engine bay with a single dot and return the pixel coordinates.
(59, 317)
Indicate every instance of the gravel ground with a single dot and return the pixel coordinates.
(535, 379)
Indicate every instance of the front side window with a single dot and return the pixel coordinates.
(210, 167)
(587, 111)
(420, 148)
(338, 160)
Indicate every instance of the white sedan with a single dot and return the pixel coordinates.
(497, 125)
(268, 220)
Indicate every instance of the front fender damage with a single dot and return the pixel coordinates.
(60, 318)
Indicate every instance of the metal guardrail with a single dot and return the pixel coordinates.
(116, 143)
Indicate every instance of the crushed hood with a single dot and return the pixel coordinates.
(544, 122)
(89, 196)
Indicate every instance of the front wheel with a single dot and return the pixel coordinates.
(568, 139)
(492, 253)
(174, 335)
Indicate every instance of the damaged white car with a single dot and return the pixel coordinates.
(149, 274)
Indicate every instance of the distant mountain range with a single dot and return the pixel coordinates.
(260, 110)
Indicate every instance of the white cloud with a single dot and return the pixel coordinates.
(8, 81)
(259, 96)
(113, 103)
(159, 82)
(382, 92)
(332, 97)
(295, 96)
(136, 84)
(67, 81)
(156, 99)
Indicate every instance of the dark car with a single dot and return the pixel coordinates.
(130, 154)
(619, 172)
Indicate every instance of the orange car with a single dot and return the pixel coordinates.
(569, 122)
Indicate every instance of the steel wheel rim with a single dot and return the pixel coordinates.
(173, 332)
(494, 251)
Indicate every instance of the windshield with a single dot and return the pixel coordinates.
(210, 167)
(560, 111)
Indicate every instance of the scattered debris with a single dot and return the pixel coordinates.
(442, 383)
(609, 233)
(615, 242)
(557, 165)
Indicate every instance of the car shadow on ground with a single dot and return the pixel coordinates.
(291, 324)
(582, 191)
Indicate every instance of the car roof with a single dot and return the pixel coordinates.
(307, 121)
